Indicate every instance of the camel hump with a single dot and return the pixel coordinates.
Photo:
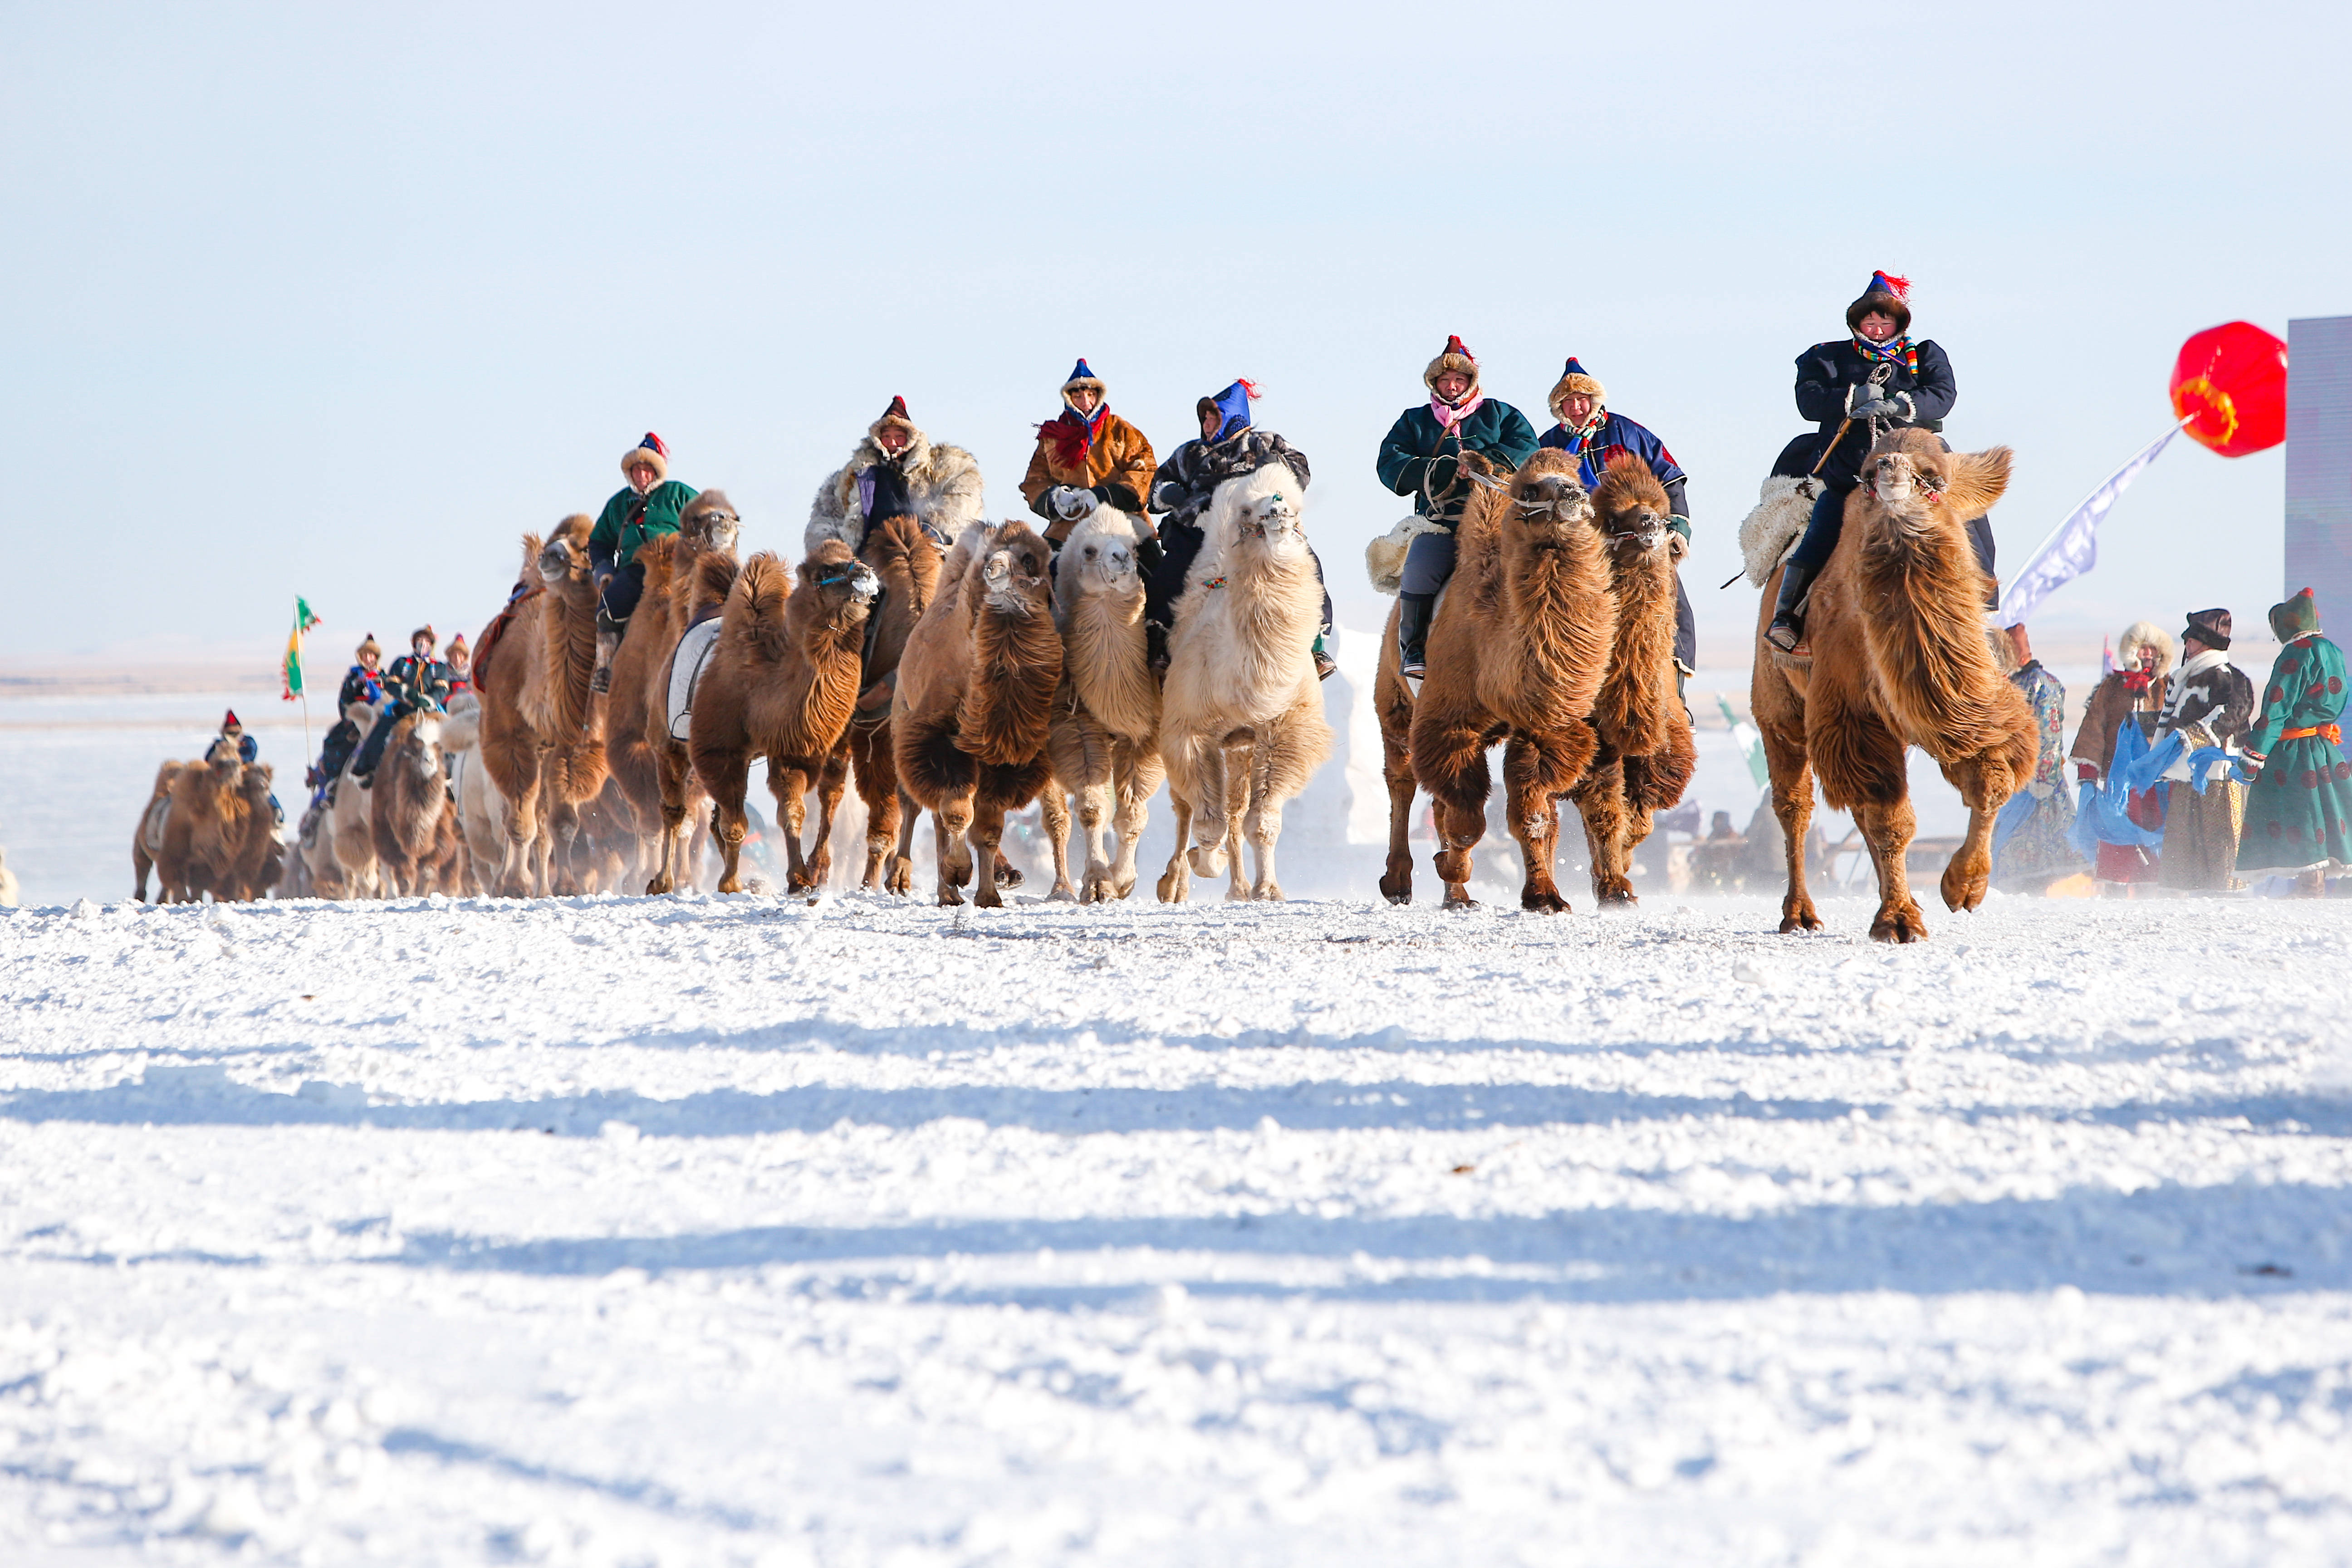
(758, 605)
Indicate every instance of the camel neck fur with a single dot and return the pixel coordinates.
(1553, 649)
(1017, 664)
(1929, 652)
(1104, 655)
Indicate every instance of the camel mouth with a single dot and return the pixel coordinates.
(1645, 531)
(1556, 499)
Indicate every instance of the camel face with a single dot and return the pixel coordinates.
(721, 534)
(1013, 578)
(223, 759)
(1275, 518)
(1103, 563)
(1552, 503)
(1893, 478)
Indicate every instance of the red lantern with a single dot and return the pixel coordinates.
(2228, 386)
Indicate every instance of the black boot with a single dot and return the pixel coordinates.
(1414, 612)
(1155, 645)
(1787, 631)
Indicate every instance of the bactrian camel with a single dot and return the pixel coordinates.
(1895, 626)
(538, 737)
(1241, 710)
(906, 561)
(1104, 739)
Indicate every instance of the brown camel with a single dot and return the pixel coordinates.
(1104, 742)
(415, 828)
(907, 562)
(539, 740)
(781, 684)
(260, 857)
(1241, 719)
(1518, 653)
(147, 838)
(204, 828)
(1898, 656)
(1646, 755)
(969, 720)
(688, 575)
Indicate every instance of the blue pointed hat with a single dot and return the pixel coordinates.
(1082, 375)
(1886, 292)
(1233, 406)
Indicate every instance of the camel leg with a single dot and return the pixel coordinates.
(832, 783)
(1139, 774)
(985, 834)
(727, 774)
(1238, 797)
(1176, 881)
(1097, 805)
(790, 786)
(952, 820)
(1449, 758)
(1791, 772)
(876, 773)
(1970, 871)
(1861, 763)
(901, 879)
(671, 776)
(1057, 813)
(1262, 822)
(1886, 827)
(1600, 800)
(1209, 809)
(1396, 771)
(1537, 771)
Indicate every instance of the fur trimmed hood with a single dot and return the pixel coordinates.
(1082, 375)
(651, 449)
(943, 483)
(1452, 356)
(2140, 635)
(1573, 379)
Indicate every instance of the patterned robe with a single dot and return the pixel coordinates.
(2210, 704)
(2299, 810)
(2029, 838)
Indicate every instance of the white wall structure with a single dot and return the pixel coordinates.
(2319, 464)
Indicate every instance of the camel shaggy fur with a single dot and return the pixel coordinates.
(417, 839)
(688, 577)
(1899, 658)
(1646, 755)
(781, 683)
(205, 830)
(1518, 653)
(908, 564)
(540, 737)
(147, 838)
(970, 719)
(1242, 712)
(1103, 741)
(260, 858)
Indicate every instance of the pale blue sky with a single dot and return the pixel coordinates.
(341, 300)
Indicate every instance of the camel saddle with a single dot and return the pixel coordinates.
(685, 666)
(150, 827)
(487, 643)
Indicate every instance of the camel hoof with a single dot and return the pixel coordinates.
(1064, 893)
(949, 894)
(1905, 924)
(1172, 886)
(1615, 900)
(1122, 885)
(1966, 890)
(657, 886)
(987, 899)
(1546, 902)
(1208, 860)
(1007, 874)
(1461, 900)
(730, 884)
(1797, 917)
(1267, 893)
(1101, 890)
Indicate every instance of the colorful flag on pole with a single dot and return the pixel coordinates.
(303, 621)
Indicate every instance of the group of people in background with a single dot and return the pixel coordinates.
(419, 680)
(2186, 777)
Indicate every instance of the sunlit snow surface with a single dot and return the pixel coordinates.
(711, 1230)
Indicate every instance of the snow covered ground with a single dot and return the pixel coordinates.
(747, 1230)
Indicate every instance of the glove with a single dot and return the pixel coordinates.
(1863, 402)
(1905, 409)
(1167, 496)
(1071, 503)
(2251, 764)
(1679, 544)
(1441, 474)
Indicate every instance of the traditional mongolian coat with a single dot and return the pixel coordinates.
(1103, 454)
(2209, 703)
(1919, 379)
(1488, 427)
(629, 520)
(2029, 838)
(2130, 695)
(939, 486)
(2299, 811)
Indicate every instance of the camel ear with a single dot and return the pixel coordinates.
(1977, 481)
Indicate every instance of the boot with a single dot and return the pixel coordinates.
(1414, 612)
(607, 643)
(1155, 645)
(1324, 663)
(1787, 631)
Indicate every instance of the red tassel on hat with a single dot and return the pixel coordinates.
(1250, 388)
(1899, 287)
(1454, 345)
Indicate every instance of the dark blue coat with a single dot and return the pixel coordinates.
(1495, 429)
(1826, 373)
(1619, 436)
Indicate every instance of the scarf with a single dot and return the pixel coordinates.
(1449, 416)
(1072, 437)
(1888, 352)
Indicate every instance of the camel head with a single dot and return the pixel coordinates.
(1546, 501)
(1262, 513)
(1917, 484)
(710, 522)
(1631, 510)
(1099, 556)
(565, 554)
(223, 759)
(845, 585)
(1015, 572)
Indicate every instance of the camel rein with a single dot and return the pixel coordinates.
(1878, 378)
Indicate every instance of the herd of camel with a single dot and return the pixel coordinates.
(973, 680)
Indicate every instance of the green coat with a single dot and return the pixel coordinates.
(2299, 811)
(629, 520)
(1494, 429)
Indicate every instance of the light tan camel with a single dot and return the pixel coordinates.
(147, 838)
(1898, 657)
(907, 562)
(1242, 702)
(260, 857)
(1104, 742)
(205, 830)
(351, 864)
(415, 828)
(1517, 653)
(688, 575)
(540, 737)
(970, 717)
(1646, 755)
(779, 684)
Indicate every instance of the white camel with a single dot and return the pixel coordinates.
(1241, 709)
(1104, 742)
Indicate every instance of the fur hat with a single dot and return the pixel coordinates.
(458, 649)
(432, 639)
(1231, 407)
(2140, 635)
(2210, 628)
(367, 646)
(1081, 374)
(230, 725)
(1575, 378)
(2295, 617)
(1886, 292)
(894, 415)
(651, 452)
(1452, 356)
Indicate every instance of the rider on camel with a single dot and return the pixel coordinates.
(897, 471)
(1086, 456)
(1422, 458)
(416, 682)
(645, 508)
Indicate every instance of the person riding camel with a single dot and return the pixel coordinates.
(363, 682)
(232, 728)
(1878, 379)
(1596, 436)
(1086, 456)
(1422, 458)
(1230, 446)
(416, 682)
(460, 660)
(645, 508)
(897, 470)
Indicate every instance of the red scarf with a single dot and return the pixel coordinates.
(1072, 437)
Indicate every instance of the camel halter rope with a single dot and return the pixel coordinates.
(1879, 376)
